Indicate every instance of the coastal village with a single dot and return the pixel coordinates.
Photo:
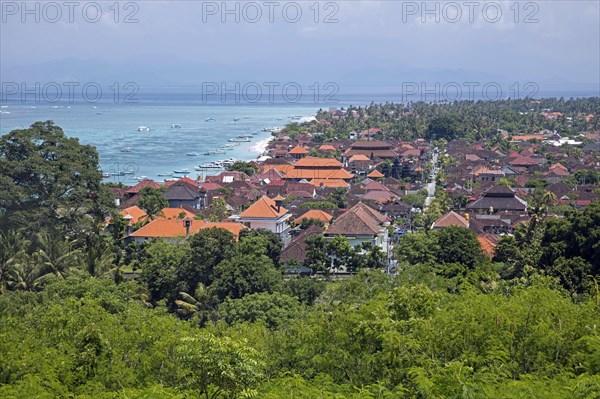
(371, 190)
(300, 199)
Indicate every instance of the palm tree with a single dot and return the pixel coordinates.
(12, 246)
(116, 272)
(56, 255)
(538, 210)
(548, 198)
(197, 306)
(25, 274)
(99, 256)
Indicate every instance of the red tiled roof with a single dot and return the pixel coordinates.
(380, 196)
(297, 248)
(359, 157)
(487, 246)
(375, 185)
(190, 181)
(408, 153)
(175, 213)
(208, 186)
(298, 150)
(170, 228)
(167, 228)
(135, 212)
(315, 214)
(310, 174)
(314, 162)
(360, 219)
(451, 219)
(329, 183)
(264, 208)
(281, 167)
(375, 174)
(525, 160)
(144, 183)
(326, 147)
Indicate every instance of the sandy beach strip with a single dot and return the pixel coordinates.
(261, 146)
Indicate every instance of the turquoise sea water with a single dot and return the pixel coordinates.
(112, 127)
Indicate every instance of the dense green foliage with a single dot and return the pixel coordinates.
(249, 168)
(571, 248)
(319, 205)
(93, 339)
(214, 317)
(47, 179)
(472, 120)
(567, 248)
(372, 336)
(152, 200)
(451, 252)
(333, 255)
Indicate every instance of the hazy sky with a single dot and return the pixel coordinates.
(365, 42)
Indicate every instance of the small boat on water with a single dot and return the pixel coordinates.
(236, 119)
(175, 126)
(141, 178)
(193, 154)
(229, 162)
(165, 174)
(210, 165)
(105, 175)
(126, 149)
(240, 139)
(210, 120)
(215, 151)
(143, 129)
(182, 171)
(272, 129)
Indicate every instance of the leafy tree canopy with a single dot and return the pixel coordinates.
(48, 179)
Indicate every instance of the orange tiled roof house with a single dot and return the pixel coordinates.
(177, 229)
(310, 168)
(267, 213)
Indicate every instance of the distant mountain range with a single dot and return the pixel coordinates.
(156, 73)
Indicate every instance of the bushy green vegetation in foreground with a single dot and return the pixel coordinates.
(372, 336)
(212, 317)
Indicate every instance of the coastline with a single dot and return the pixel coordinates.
(127, 155)
(261, 146)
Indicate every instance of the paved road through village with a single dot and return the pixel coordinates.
(431, 185)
